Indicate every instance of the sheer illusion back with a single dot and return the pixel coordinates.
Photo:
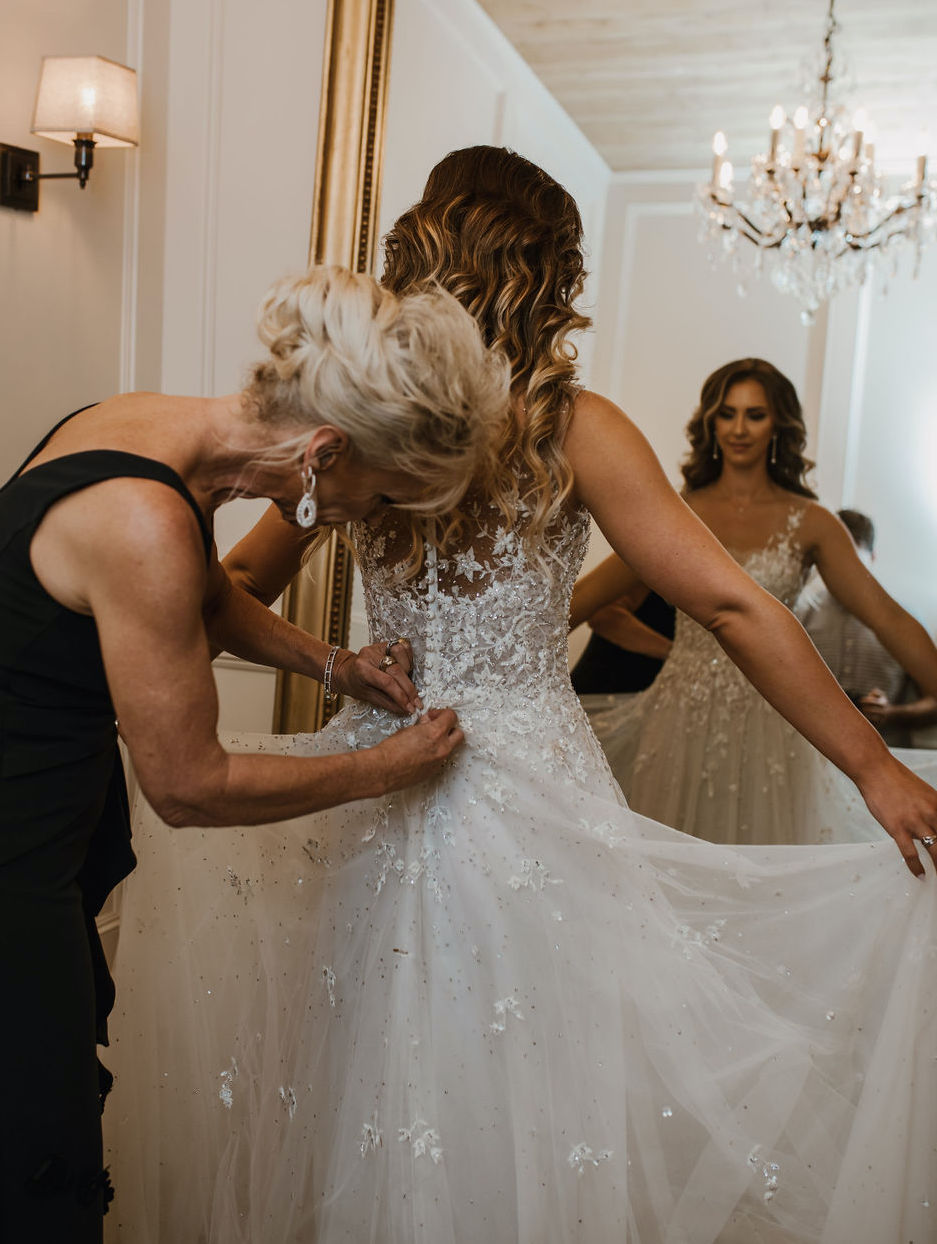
(483, 614)
(501, 1006)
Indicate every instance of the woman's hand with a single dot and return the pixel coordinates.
(379, 675)
(877, 707)
(618, 624)
(417, 753)
(913, 716)
(906, 808)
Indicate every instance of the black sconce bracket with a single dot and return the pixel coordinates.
(20, 176)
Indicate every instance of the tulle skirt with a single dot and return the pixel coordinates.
(730, 772)
(502, 1007)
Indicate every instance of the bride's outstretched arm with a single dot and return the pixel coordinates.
(648, 525)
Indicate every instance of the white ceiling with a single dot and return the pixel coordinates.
(650, 81)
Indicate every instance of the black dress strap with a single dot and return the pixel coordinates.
(43, 485)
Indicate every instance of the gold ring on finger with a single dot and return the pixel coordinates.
(387, 662)
(929, 840)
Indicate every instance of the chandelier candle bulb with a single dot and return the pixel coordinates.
(859, 123)
(776, 121)
(720, 147)
(800, 126)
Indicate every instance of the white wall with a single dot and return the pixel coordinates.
(62, 269)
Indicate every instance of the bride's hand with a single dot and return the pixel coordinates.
(906, 807)
(367, 675)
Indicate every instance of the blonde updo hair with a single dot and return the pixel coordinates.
(409, 380)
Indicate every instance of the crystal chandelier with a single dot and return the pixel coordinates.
(817, 211)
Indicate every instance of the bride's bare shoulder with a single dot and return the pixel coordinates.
(594, 417)
(819, 525)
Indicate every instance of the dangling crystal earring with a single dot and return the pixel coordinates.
(774, 450)
(307, 509)
(715, 448)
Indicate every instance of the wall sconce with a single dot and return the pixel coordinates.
(85, 100)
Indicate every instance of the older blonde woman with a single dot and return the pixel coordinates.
(110, 596)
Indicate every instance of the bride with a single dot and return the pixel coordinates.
(503, 1007)
(701, 749)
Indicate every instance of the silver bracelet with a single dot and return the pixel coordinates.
(327, 674)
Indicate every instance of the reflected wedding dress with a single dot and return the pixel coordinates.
(502, 1008)
(702, 750)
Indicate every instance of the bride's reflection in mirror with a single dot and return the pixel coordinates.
(701, 750)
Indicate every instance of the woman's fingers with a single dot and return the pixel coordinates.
(929, 842)
(418, 752)
(383, 679)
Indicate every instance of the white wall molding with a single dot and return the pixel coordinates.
(856, 395)
(210, 191)
(130, 283)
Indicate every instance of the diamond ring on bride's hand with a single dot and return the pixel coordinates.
(392, 643)
(929, 840)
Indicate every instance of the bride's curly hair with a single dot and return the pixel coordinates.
(703, 465)
(506, 239)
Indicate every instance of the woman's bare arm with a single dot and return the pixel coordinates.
(237, 622)
(144, 581)
(619, 479)
(269, 557)
(609, 581)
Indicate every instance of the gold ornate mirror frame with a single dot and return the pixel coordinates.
(344, 231)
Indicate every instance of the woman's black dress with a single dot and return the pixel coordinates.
(606, 669)
(64, 844)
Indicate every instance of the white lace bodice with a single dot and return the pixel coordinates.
(484, 618)
(488, 625)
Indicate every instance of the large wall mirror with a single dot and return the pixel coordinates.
(664, 315)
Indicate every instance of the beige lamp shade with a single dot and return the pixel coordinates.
(87, 95)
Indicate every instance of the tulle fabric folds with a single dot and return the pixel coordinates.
(505, 1008)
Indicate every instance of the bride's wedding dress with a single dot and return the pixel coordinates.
(703, 751)
(503, 1008)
